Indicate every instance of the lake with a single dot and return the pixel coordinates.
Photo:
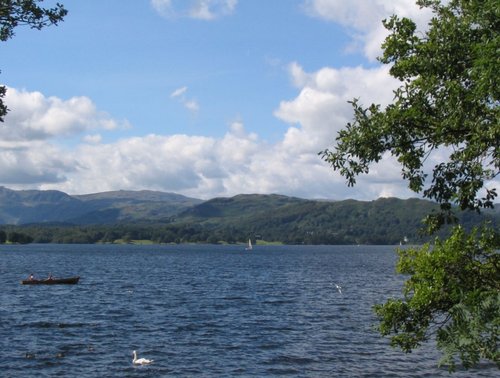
(203, 310)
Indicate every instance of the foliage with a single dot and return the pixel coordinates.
(454, 293)
(14, 13)
(448, 99)
(19, 238)
(447, 102)
(3, 107)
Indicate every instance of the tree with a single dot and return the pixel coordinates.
(15, 13)
(448, 100)
(19, 238)
(454, 293)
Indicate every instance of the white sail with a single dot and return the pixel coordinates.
(249, 245)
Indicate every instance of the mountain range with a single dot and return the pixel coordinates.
(19, 207)
(270, 217)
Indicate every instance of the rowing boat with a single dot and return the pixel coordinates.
(52, 281)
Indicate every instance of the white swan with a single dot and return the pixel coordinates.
(140, 361)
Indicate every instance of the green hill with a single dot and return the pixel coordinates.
(293, 220)
(51, 216)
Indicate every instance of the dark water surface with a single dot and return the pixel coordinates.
(208, 311)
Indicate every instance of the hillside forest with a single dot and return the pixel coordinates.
(133, 217)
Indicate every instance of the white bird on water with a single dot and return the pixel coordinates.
(339, 288)
(140, 361)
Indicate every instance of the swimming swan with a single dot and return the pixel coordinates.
(140, 361)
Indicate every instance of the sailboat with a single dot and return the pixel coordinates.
(249, 247)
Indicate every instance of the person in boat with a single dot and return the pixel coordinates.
(32, 277)
(50, 277)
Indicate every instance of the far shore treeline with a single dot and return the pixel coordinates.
(154, 217)
(197, 233)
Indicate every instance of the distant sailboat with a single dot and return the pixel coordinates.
(249, 247)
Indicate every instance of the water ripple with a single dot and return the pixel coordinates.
(208, 311)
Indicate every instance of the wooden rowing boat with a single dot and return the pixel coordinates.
(52, 281)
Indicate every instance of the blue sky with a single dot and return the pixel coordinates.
(124, 56)
(204, 98)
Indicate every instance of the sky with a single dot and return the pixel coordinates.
(205, 98)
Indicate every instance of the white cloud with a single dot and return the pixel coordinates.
(316, 115)
(33, 164)
(192, 106)
(321, 108)
(202, 167)
(189, 103)
(364, 18)
(178, 92)
(197, 9)
(199, 166)
(36, 117)
(93, 139)
(163, 7)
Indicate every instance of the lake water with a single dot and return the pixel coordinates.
(208, 311)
